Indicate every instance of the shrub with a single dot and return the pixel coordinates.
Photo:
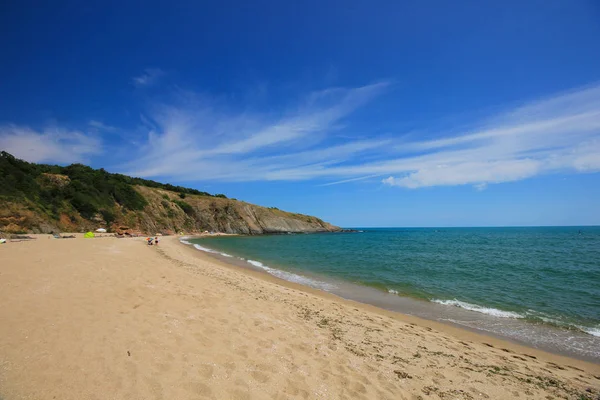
(189, 210)
(126, 196)
(108, 216)
(84, 205)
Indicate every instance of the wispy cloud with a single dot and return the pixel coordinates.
(193, 136)
(101, 126)
(52, 145)
(149, 77)
(560, 133)
(198, 138)
(557, 134)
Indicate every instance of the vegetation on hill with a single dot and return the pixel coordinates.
(45, 198)
(87, 190)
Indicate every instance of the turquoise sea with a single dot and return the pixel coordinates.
(539, 286)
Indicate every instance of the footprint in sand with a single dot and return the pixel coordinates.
(359, 387)
(197, 387)
(203, 339)
(163, 367)
(132, 370)
(155, 387)
(293, 389)
(260, 376)
(237, 394)
(206, 371)
(230, 367)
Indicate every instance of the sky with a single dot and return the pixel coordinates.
(428, 113)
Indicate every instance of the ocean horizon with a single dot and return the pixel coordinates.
(538, 286)
(473, 226)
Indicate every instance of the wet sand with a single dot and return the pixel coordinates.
(111, 318)
(570, 343)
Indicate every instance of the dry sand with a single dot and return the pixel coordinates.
(114, 318)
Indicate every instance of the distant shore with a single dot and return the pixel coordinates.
(115, 318)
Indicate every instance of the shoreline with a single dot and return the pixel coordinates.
(460, 331)
(414, 307)
(115, 318)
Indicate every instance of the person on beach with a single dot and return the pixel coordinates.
(149, 241)
(156, 240)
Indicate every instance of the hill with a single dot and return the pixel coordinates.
(43, 198)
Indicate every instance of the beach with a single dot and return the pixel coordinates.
(110, 318)
(537, 286)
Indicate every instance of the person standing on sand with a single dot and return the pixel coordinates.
(156, 240)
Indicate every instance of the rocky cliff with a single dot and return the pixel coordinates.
(167, 212)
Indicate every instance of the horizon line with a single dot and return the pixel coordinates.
(473, 226)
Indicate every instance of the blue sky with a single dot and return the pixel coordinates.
(428, 113)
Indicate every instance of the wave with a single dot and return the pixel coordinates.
(530, 315)
(291, 277)
(288, 276)
(594, 331)
(256, 263)
(206, 249)
(561, 322)
(481, 309)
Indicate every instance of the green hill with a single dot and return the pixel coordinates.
(44, 198)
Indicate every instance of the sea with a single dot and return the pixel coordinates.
(538, 286)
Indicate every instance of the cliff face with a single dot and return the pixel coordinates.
(166, 212)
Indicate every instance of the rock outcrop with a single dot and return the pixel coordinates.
(167, 212)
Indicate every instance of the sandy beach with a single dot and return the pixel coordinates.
(111, 318)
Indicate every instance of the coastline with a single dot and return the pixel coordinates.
(96, 318)
(544, 337)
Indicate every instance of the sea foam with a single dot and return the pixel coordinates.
(474, 307)
(206, 249)
(592, 331)
(288, 276)
(291, 277)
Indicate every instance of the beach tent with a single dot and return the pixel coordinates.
(89, 235)
(101, 230)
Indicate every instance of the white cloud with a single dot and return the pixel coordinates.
(193, 136)
(479, 173)
(52, 145)
(193, 141)
(558, 134)
(149, 77)
(196, 138)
